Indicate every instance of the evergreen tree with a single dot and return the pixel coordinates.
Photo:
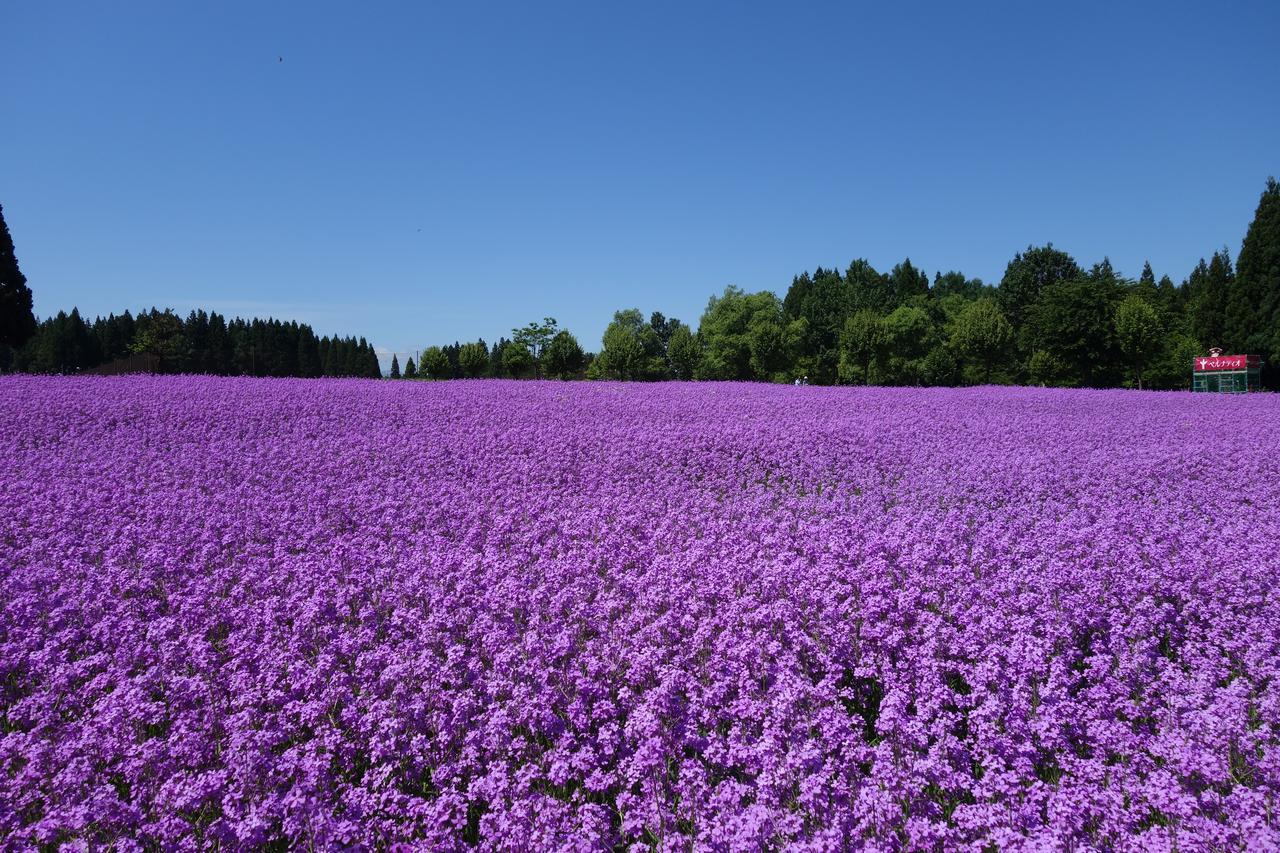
(1146, 287)
(17, 321)
(395, 367)
(906, 283)
(410, 369)
(868, 289)
(1252, 323)
(308, 352)
(822, 303)
(1208, 288)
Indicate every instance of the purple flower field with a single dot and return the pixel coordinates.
(539, 615)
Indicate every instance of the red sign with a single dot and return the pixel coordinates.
(1224, 362)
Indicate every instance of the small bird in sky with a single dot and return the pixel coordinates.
(279, 59)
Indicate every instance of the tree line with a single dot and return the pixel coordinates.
(1049, 321)
(203, 342)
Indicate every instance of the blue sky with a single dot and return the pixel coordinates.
(422, 173)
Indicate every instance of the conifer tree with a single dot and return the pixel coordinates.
(1252, 321)
(395, 367)
(17, 321)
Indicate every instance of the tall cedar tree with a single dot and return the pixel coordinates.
(1252, 322)
(17, 320)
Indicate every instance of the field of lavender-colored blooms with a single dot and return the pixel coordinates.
(579, 615)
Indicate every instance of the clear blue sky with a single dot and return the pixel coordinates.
(418, 173)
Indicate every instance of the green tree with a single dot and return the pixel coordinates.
(160, 333)
(517, 361)
(1138, 332)
(1028, 275)
(410, 369)
(1073, 322)
(910, 334)
(473, 360)
(743, 334)
(1252, 322)
(1208, 288)
(772, 343)
(308, 357)
(563, 356)
(395, 367)
(631, 349)
(684, 353)
(982, 336)
(17, 321)
(434, 364)
(862, 343)
(954, 283)
(1171, 369)
(822, 302)
(535, 337)
(1146, 287)
(906, 283)
(868, 289)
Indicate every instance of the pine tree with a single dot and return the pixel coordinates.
(17, 320)
(410, 370)
(395, 367)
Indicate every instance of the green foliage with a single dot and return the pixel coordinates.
(1252, 322)
(395, 367)
(862, 342)
(17, 322)
(910, 334)
(981, 336)
(1208, 288)
(684, 353)
(473, 360)
(535, 337)
(410, 369)
(1028, 275)
(955, 284)
(160, 334)
(434, 364)
(745, 336)
(1139, 332)
(632, 350)
(563, 357)
(1073, 322)
(821, 303)
(868, 289)
(1044, 368)
(1171, 369)
(906, 283)
(203, 343)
